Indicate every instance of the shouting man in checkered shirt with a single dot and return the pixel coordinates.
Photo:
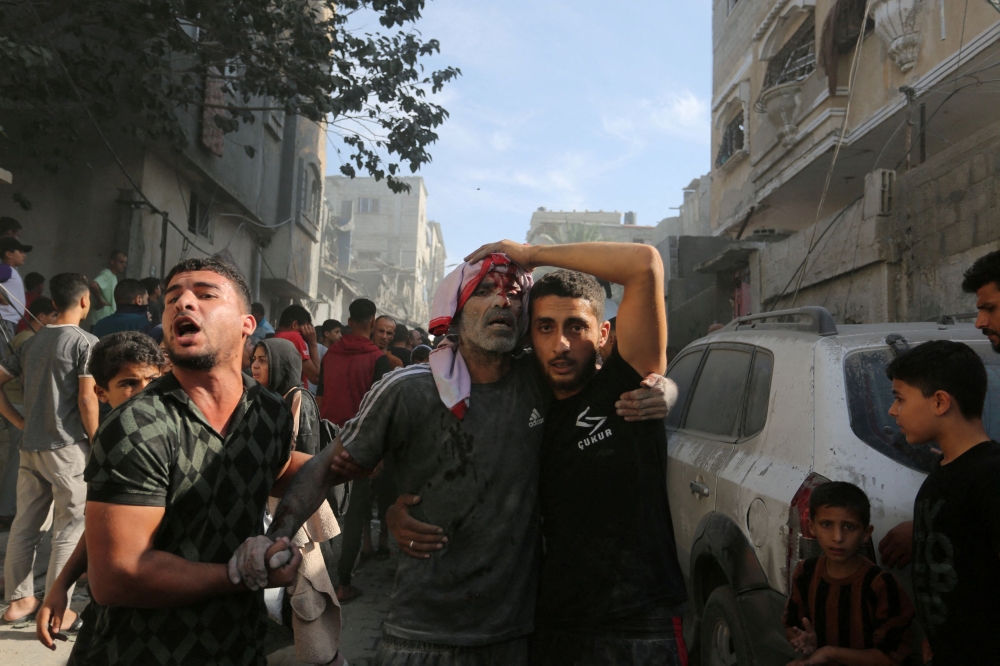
(179, 478)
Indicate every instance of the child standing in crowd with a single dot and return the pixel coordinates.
(60, 418)
(122, 364)
(939, 389)
(843, 609)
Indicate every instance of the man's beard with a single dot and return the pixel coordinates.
(995, 345)
(477, 335)
(587, 370)
(202, 362)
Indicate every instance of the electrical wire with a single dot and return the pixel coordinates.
(784, 291)
(840, 142)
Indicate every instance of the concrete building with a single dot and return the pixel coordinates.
(553, 227)
(395, 255)
(910, 201)
(263, 213)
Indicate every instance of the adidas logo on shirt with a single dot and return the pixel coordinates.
(535, 419)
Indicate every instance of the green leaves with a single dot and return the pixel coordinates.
(141, 65)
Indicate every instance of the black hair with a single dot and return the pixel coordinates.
(841, 495)
(116, 252)
(945, 365)
(984, 270)
(67, 288)
(128, 290)
(219, 267)
(42, 305)
(257, 308)
(117, 350)
(420, 354)
(331, 325)
(151, 284)
(32, 280)
(362, 310)
(571, 284)
(401, 334)
(9, 225)
(292, 314)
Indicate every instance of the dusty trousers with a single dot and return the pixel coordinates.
(358, 513)
(46, 480)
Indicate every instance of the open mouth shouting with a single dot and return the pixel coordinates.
(185, 329)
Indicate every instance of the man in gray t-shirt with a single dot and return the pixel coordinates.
(61, 416)
(475, 469)
(473, 475)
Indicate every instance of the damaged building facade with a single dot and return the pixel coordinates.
(252, 197)
(911, 199)
(381, 245)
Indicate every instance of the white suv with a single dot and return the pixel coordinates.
(767, 411)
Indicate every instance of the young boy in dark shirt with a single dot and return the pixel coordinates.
(843, 609)
(939, 389)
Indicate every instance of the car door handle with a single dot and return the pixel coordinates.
(700, 489)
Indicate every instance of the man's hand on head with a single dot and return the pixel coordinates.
(653, 400)
(415, 538)
(308, 333)
(519, 253)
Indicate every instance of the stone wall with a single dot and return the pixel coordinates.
(906, 266)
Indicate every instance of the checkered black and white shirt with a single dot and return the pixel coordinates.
(158, 449)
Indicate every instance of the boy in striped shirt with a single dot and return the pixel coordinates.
(844, 609)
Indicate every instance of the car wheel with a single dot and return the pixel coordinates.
(723, 640)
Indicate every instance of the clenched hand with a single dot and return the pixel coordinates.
(260, 562)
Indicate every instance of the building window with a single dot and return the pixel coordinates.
(274, 119)
(731, 5)
(366, 205)
(369, 256)
(732, 140)
(199, 221)
(797, 58)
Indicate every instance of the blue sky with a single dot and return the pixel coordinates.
(571, 105)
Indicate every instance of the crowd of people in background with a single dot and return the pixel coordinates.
(96, 342)
(177, 415)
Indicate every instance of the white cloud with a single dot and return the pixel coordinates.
(678, 115)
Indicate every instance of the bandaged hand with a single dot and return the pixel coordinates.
(654, 399)
(251, 561)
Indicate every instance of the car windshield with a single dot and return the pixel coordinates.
(869, 396)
